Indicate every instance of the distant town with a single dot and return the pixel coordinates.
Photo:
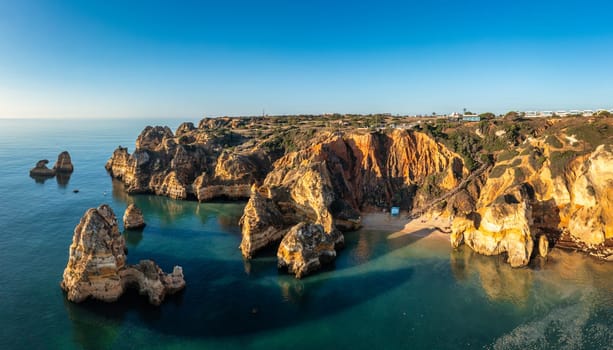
(381, 120)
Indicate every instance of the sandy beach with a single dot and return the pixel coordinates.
(401, 225)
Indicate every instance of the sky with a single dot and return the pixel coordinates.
(188, 59)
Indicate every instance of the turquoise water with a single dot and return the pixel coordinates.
(382, 292)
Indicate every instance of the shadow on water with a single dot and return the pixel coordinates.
(62, 179)
(219, 301)
(133, 237)
(90, 334)
(40, 179)
(498, 280)
(366, 245)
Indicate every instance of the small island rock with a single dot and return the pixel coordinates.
(133, 218)
(63, 163)
(97, 264)
(305, 248)
(41, 169)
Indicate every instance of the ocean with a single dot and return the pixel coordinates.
(381, 293)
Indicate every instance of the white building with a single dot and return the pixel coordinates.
(531, 114)
(546, 114)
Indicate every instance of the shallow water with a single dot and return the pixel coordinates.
(382, 292)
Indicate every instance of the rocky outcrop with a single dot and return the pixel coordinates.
(133, 218)
(305, 249)
(262, 223)
(563, 199)
(97, 264)
(331, 182)
(193, 164)
(41, 169)
(497, 229)
(63, 163)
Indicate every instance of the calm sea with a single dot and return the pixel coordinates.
(382, 293)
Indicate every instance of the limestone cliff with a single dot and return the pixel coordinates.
(191, 164)
(561, 192)
(97, 264)
(305, 249)
(331, 182)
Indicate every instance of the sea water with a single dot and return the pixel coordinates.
(383, 292)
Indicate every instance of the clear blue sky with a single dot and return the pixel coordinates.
(185, 59)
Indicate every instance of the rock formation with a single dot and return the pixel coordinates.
(192, 164)
(97, 264)
(133, 218)
(305, 248)
(568, 199)
(41, 169)
(63, 163)
(331, 182)
(502, 228)
(529, 179)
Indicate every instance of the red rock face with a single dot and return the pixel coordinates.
(331, 182)
(327, 182)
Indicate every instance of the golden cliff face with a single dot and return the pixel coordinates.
(546, 190)
(97, 267)
(331, 182)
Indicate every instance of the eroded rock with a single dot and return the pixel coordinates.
(571, 200)
(306, 248)
(97, 267)
(63, 163)
(330, 183)
(41, 169)
(133, 218)
(497, 229)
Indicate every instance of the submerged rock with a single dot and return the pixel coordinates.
(63, 163)
(41, 170)
(306, 248)
(97, 267)
(133, 218)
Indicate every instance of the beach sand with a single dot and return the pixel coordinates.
(401, 225)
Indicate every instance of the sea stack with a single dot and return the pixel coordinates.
(306, 248)
(133, 218)
(97, 264)
(63, 163)
(41, 169)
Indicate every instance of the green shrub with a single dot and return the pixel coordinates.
(498, 171)
(553, 142)
(516, 162)
(559, 161)
(507, 155)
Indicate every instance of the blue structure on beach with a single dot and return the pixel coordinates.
(395, 211)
